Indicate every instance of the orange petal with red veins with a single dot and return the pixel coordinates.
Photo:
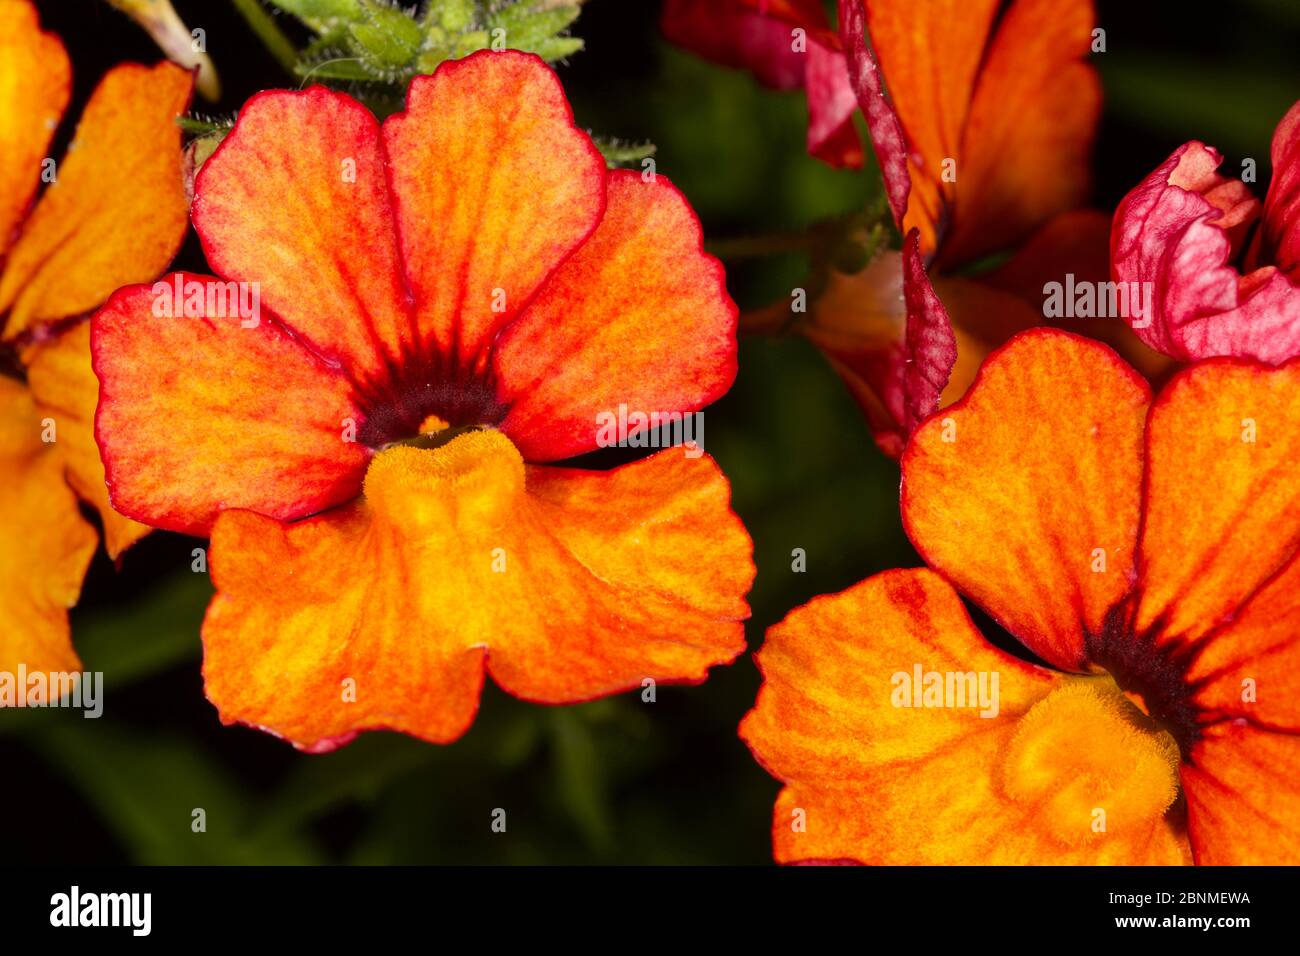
(1243, 790)
(63, 383)
(1025, 149)
(296, 199)
(930, 54)
(1026, 493)
(117, 212)
(1222, 509)
(199, 413)
(493, 188)
(582, 584)
(596, 335)
(45, 545)
(874, 776)
(35, 82)
(1247, 668)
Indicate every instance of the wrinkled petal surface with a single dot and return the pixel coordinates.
(583, 584)
(872, 776)
(1174, 235)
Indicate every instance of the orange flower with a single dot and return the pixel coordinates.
(113, 211)
(440, 306)
(984, 144)
(1147, 551)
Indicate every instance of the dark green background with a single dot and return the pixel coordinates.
(617, 780)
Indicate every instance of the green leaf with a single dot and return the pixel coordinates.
(321, 15)
(356, 773)
(155, 633)
(580, 783)
(147, 789)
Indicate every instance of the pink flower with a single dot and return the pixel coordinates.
(1220, 271)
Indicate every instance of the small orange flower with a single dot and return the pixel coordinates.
(1148, 552)
(112, 212)
(442, 305)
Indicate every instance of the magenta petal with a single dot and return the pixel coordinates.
(1174, 236)
(730, 34)
(883, 123)
(746, 34)
(1282, 208)
(929, 345)
(831, 105)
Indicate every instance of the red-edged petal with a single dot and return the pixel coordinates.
(198, 413)
(493, 187)
(1282, 207)
(888, 335)
(1174, 236)
(929, 346)
(296, 200)
(597, 335)
(763, 36)
(1026, 493)
(1221, 522)
(886, 131)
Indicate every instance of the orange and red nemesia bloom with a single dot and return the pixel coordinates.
(113, 212)
(788, 45)
(1223, 268)
(1147, 551)
(982, 117)
(450, 301)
